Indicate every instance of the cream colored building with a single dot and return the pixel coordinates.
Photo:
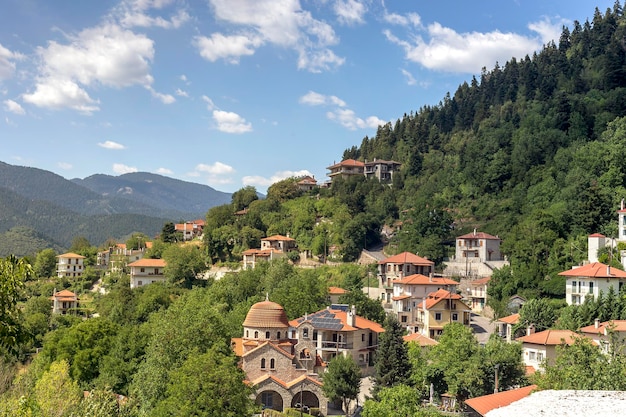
(146, 271)
(70, 265)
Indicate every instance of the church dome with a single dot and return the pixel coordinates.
(266, 314)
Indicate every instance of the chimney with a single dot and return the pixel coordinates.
(596, 323)
(474, 231)
(430, 277)
(530, 330)
(622, 204)
(608, 271)
(352, 316)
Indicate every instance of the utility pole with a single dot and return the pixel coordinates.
(495, 390)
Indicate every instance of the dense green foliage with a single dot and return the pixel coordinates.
(342, 380)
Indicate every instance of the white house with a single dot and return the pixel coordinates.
(146, 271)
(70, 265)
(537, 347)
(479, 246)
(606, 333)
(590, 280)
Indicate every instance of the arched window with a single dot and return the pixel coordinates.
(305, 332)
(263, 363)
(247, 333)
(278, 335)
(267, 335)
(256, 335)
(272, 363)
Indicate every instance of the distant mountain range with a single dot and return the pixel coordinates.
(50, 211)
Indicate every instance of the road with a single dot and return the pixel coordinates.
(483, 328)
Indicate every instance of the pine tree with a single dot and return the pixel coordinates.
(392, 359)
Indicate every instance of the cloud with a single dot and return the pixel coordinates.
(111, 145)
(123, 169)
(217, 168)
(164, 98)
(350, 12)
(444, 49)
(282, 23)
(410, 80)
(410, 19)
(229, 122)
(229, 48)
(13, 107)
(547, 30)
(210, 105)
(131, 13)
(347, 118)
(257, 180)
(181, 93)
(65, 165)
(106, 55)
(164, 171)
(7, 62)
(340, 114)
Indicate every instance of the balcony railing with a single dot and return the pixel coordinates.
(327, 344)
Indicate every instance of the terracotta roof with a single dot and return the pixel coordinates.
(266, 314)
(285, 384)
(400, 297)
(419, 279)
(597, 235)
(406, 258)
(64, 295)
(420, 339)
(512, 319)
(307, 181)
(158, 263)
(435, 297)
(614, 325)
(272, 346)
(594, 270)
(381, 161)
(337, 317)
(478, 235)
(337, 291)
(347, 163)
(236, 343)
(481, 281)
(261, 252)
(550, 338)
(71, 255)
(486, 403)
(277, 238)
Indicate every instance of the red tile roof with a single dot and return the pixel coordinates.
(594, 270)
(278, 238)
(420, 339)
(597, 235)
(347, 163)
(481, 281)
(71, 255)
(406, 258)
(437, 296)
(337, 291)
(342, 316)
(614, 325)
(486, 403)
(419, 279)
(512, 319)
(158, 263)
(64, 295)
(400, 297)
(550, 338)
(478, 235)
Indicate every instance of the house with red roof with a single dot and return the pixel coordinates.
(345, 169)
(505, 326)
(307, 183)
(64, 302)
(272, 247)
(478, 246)
(399, 266)
(591, 279)
(540, 346)
(70, 265)
(190, 230)
(146, 271)
(410, 291)
(438, 309)
(420, 340)
(607, 334)
(478, 293)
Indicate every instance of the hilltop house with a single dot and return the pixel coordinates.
(607, 334)
(283, 360)
(70, 265)
(382, 170)
(477, 254)
(345, 169)
(116, 258)
(307, 183)
(146, 271)
(591, 279)
(190, 230)
(399, 266)
(409, 292)
(64, 302)
(272, 247)
(438, 309)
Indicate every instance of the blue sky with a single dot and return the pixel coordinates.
(230, 93)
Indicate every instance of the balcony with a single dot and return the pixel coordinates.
(330, 345)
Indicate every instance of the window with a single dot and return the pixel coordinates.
(267, 399)
(532, 355)
(437, 316)
(278, 335)
(256, 335)
(142, 269)
(539, 356)
(247, 333)
(455, 317)
(305, 332)
(272, 364)
(591, 287)
(263, 363)
(574, 285)
(403, 319)
(363, 337)
(267, 335)
(139, 283)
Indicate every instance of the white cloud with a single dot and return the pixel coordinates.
(109, 144)
(210, 105)
(230, 48)
(218, 168)
(257, 180)
(450, 51)
(410, 19)
(547, 30)
(132, 13)
(350, 12)
(315, 99)
(9, 122)
(181, 93)
(123, 169)
(278, 22)
(183, 77)
(348, 119)
(13, 107)
(105, 55)
(230, 122)
(410, 80)
(65, 165)
(164, 98)
(164, 171)
(7, 62)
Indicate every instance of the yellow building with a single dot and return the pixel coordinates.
(438, 309)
